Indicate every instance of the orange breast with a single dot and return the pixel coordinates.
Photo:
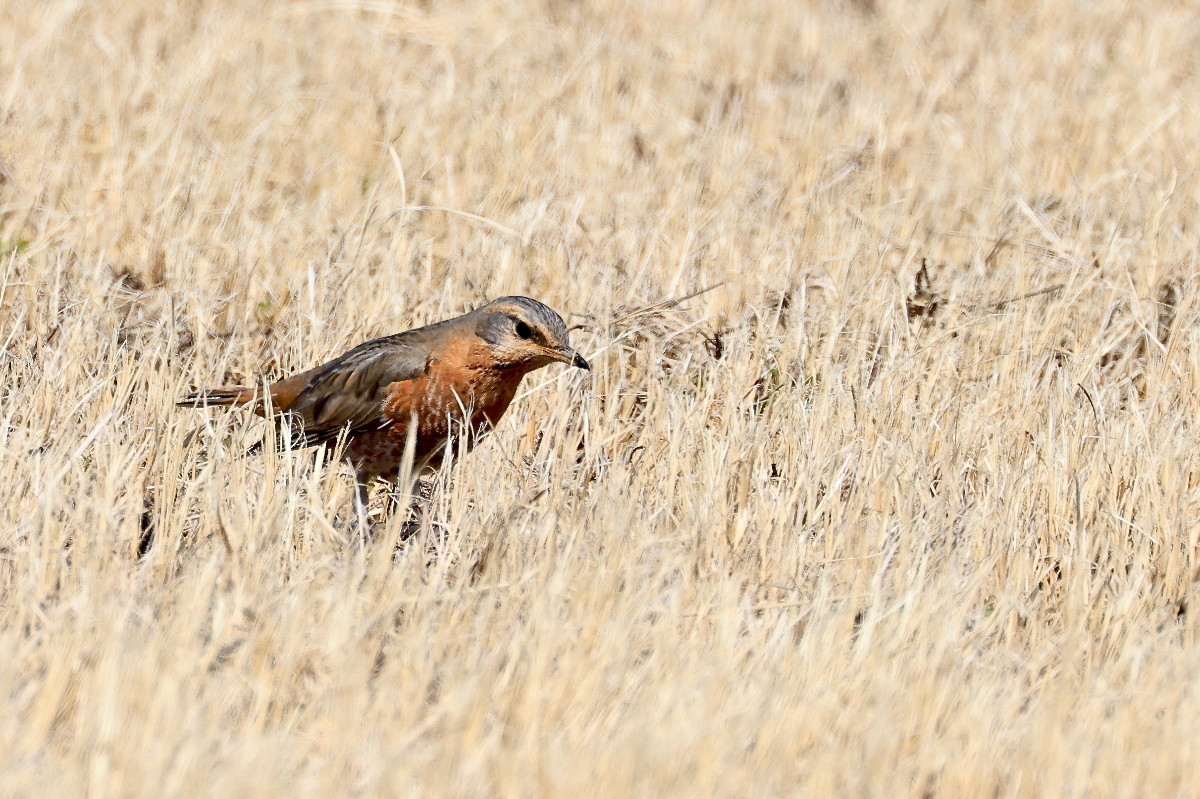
(462, 380)
(436, 402)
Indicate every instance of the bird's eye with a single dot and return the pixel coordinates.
(524, 331)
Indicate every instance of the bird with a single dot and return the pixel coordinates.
(449, 380)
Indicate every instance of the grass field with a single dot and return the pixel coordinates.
(904, 505)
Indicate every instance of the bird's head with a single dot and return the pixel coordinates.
(524, 332)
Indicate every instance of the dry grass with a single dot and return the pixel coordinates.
(874, 517)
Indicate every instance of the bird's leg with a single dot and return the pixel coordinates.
(408, 505)
(362, 500)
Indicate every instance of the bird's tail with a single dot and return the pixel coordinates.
(229, 396)
(219, 397)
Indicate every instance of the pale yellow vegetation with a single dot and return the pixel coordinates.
(841, 526)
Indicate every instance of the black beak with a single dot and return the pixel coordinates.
(580, 362)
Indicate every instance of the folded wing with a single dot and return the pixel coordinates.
(349, 392)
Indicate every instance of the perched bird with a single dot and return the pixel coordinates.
(452, 378)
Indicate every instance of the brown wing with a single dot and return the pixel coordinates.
(348, 393)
